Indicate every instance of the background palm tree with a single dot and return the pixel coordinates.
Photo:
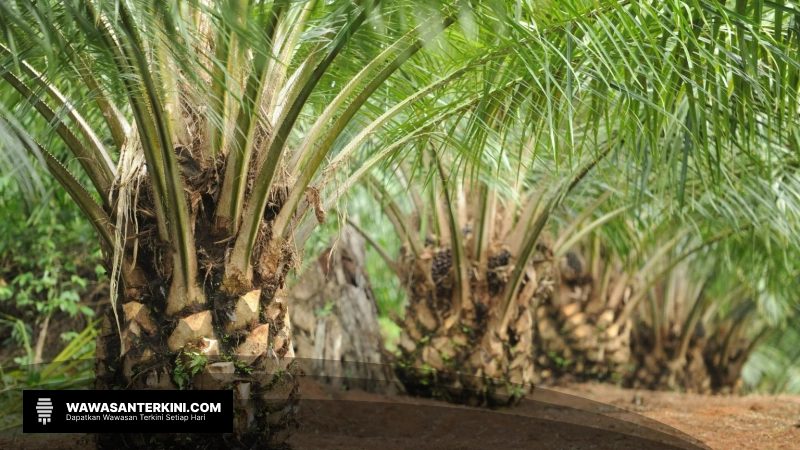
(682, 101)
(703, 293)
(703, 314)
(774, 367)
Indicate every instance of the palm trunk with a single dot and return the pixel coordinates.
(475, 360)
(696, 357)
(670, 369)
(237, 339)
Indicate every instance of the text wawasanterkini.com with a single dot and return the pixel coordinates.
(140, 411)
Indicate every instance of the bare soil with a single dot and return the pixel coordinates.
(721, 422)
(575, 416)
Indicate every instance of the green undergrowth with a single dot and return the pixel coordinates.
(72, 368)
(49, 262)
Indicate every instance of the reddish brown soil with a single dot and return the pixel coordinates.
(723, 423)
(360, 420)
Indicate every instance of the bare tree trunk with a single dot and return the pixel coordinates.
(335, 319)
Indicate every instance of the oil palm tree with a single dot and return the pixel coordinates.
(708, 306)
(209, 133)
(490, 256)
(774, 367)
(702, 296)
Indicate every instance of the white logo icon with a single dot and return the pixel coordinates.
(44, 408)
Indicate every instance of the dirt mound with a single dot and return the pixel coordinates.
(609, 417)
